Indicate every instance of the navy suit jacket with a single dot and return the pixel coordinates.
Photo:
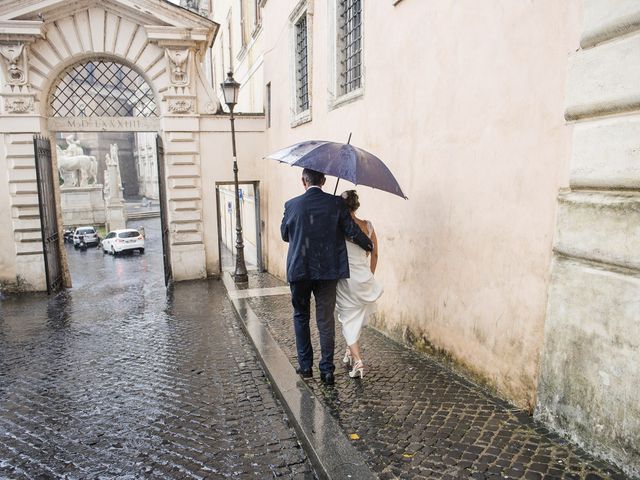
(315, 224)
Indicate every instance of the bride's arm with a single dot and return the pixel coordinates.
(374, 252)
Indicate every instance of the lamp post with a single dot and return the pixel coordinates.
(230, 90)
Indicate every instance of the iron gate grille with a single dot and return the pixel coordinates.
(102, 88)
(164, 207)
(48, 216)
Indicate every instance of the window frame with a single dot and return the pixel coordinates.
(298, 116)
(336, 97)
(302, 64)
(267, 98)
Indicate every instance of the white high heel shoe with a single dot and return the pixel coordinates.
(358, 368)
(347, 360)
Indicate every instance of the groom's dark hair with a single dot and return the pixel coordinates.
(311, 177)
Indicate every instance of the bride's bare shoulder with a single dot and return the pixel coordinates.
(367, 226)
(362, 223)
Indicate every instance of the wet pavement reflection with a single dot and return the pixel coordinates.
(117, 377)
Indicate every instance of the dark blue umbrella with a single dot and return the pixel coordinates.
(341, 160)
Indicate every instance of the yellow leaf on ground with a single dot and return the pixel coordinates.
(354, 436)
(408, 455)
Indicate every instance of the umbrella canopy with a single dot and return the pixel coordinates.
(341, 160)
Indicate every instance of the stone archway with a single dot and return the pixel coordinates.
(161, 41)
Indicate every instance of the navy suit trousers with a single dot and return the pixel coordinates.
(324, 292)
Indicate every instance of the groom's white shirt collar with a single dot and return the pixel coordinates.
(314, 186)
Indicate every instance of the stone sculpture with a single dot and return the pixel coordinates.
(178, 60)
(76, 168)
(112, 174)
(15, 63)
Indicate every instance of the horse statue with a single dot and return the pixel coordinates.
(80, 169)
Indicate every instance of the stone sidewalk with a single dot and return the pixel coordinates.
(412, 418)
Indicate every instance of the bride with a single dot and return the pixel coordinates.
(356, 295)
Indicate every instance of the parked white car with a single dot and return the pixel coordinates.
(126, 240)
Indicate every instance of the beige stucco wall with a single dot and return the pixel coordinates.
(464, 102)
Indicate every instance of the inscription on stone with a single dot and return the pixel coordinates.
(99, 124)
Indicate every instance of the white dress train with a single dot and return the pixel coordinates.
(356, 295)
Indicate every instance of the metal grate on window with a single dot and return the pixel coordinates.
(302, 65)
(350, 45)
(102, 89)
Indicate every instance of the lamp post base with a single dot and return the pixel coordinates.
(240, 274)
(240, 278)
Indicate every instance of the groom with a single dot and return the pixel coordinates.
(315, 224)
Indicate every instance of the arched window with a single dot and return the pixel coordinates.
(102, 88)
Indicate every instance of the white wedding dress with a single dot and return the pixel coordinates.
(356, 295)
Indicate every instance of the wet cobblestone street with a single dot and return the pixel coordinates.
(416, 419)
(117, 378)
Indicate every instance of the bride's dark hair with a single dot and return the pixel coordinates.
(351, 199)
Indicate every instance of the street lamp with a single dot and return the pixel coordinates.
(230, 90)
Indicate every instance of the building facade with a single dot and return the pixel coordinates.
(473, 127)
(167, 46)
(509, 126)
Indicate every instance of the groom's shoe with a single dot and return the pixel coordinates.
(327, 378)
(304, 373)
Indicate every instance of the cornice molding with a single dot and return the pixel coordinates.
(163, 11)
(24, 30)
(163, 21)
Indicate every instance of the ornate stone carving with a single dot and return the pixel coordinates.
(18, 104)
(211, 107)
(178, 66)
(15, 63)
(181, 105)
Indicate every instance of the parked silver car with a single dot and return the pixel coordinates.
(91, 238)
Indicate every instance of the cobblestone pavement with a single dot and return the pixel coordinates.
(416, 419)
(117, 378)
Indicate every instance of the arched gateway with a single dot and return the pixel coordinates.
(153, 48)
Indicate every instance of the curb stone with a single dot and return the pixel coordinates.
(328, 449)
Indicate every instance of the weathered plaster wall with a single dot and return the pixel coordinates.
(464, 102)
(590, 366)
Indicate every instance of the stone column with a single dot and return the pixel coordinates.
(589, 366)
